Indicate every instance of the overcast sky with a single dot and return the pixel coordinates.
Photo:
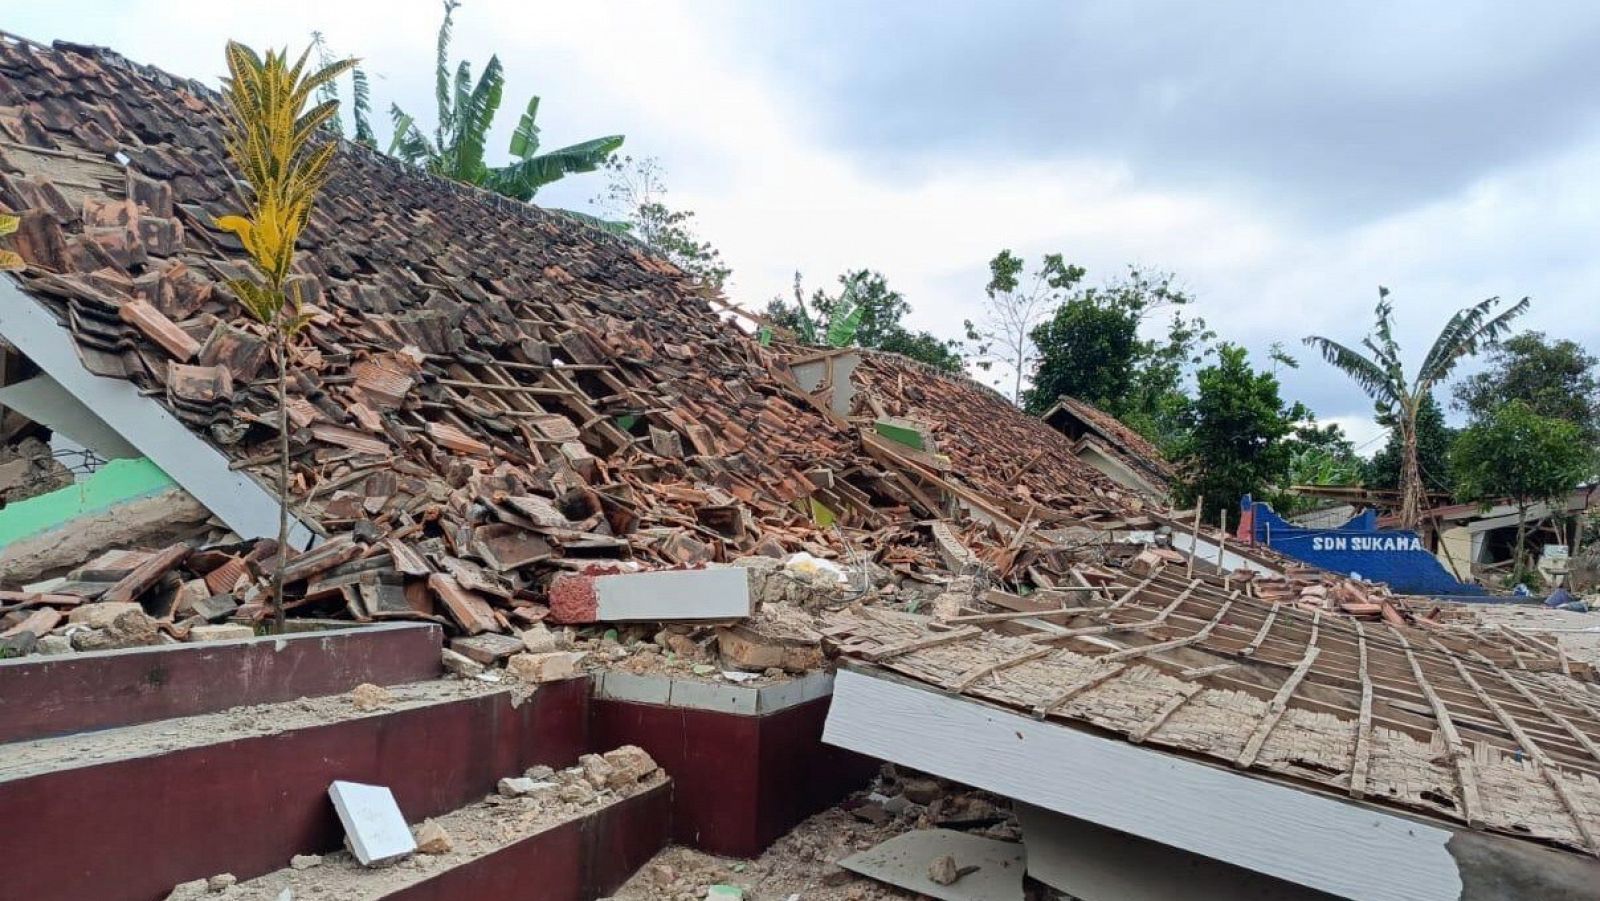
(1282, 159)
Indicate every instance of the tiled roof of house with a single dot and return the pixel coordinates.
(1131, 445)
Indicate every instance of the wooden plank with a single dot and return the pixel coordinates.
(1275, 710)
(1546, 766)
(1128, 595)
(1197, 637)
(975, 675)
(927, 641)
(1576, 733)
(1022, 614)
(1099, 675)
(1471, 805)
(1361, 757)
(1145, 729)
(1266, 626)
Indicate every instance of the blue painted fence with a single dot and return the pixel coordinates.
(1358, 547)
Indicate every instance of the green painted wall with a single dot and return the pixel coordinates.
(116, 482)
(910, 437)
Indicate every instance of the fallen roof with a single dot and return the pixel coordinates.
(1467, 726)
(1133, 447)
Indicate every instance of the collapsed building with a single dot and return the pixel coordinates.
(502, 421)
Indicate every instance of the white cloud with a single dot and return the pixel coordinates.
(743, 151)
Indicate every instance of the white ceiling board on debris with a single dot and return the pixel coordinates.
(372, 821)
(904, 861)
(243, 504)
(1184, 541)
(43, 400)
(1345, 849)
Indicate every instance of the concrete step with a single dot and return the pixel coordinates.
(58, 695)
(542, 846)
(129, 812)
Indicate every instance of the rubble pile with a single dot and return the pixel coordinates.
(537, 800)
(804, 863)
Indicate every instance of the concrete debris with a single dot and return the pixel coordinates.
(432, 838)
(373, 825)
(943, 870)
(460, 664)
(367, 696)
(221, 632)
(305, 861)
(517, 786)
(548, 667)
(667, 594)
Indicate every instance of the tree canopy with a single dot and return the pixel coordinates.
(635, 199)
(1554, 378)
(864, 312)
(1237, 423)
(1515, 453)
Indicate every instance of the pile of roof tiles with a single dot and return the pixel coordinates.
(489, 393)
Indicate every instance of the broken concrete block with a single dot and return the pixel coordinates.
(367, 696)
(517, 786)
(721, 593)
(460, 664)
(432, 838)
(943, 870)
(488, 647)
(550, 667)
(54, 644)
(538, 639)
(305, 861)
(221, 632)
(129, 629)
(372, 822)
(221, 882)
(629, 764)
(98, 616)
(597, 770)
(188, 891)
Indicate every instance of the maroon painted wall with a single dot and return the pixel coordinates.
(579, 861)
(131, 829)
(43, 696)
(739, 782)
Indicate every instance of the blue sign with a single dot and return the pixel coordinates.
(1357, 548)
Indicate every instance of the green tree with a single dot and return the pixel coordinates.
(1382, 376)
(1434, 439)
(865, 312)
(634, 198)
(1014, 309)
(1091, 349)
(1315, 455)
(1554, 378)
(1237, 425)
(1515, 453)
(466, 110)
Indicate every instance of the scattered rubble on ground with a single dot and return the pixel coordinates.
(804, 863)
(457, 837)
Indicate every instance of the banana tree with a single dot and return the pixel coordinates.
(466, 110)
(1380, 374)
